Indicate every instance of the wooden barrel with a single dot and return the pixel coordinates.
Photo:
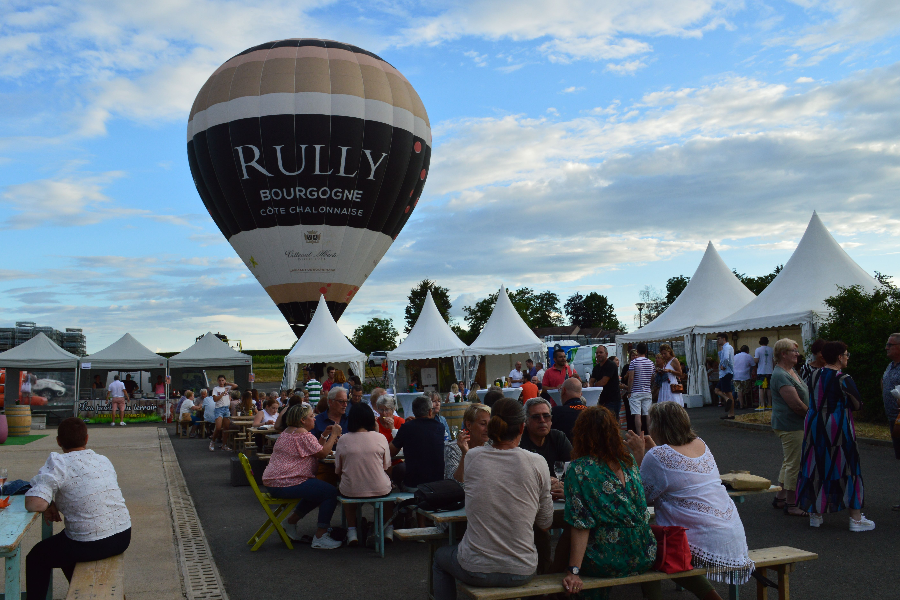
(453, 412)
(18, 419)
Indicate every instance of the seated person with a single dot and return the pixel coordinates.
(540, 438)
(473, 393)
(507, 495)
(186, 407)
(572, 405)
(455, 394)
(268, 415)
(605, 506)
(473, 435)
(335, 414)
(388, 424)
(356, 396)
(292, 401)
(529, 390)
(422, 441)
(81, 486)
(291, 473)
(436, 405)
(681, 480)
(361, 462)
(493, 394)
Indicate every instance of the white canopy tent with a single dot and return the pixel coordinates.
(797, 295)
(126, 354)
(430, 337)
(712, 293)
(505, 333)
(39, 353)
(323, 341)
(209, 352)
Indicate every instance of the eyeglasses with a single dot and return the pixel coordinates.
(342, 401)
(846, 355)
(540, 417)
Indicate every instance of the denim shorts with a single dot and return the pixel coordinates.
(223, 412)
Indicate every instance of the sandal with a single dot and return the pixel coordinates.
(787, 511)
(778, 503)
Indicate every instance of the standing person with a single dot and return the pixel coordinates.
(672, 370)
(640, 376)
(515, 376)
(889, 381)
(436, 406)
(507, 495)
(790, 401)
(117, 397)
(413, 385)
(81, 486)
(530, 369)
(623, 389)
(743, 364)
(130, 385)
(539, 372)
(313, 386)
(725, 391)
(329, 380)
(572, 406)
(555, 376)
(455, 394)
(763, 359)
(830, 474)
(606, 375)
(808, 369)
(222, 396)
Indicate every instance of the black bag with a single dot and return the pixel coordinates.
(446, 494)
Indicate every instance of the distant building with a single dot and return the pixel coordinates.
(582, 335)
(71, 340)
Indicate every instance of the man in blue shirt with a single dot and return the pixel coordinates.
(725, 391)
(336, 413)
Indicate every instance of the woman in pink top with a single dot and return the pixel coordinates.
(362, 462)
(291, 472)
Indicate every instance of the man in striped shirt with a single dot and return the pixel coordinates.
(640, 377)
(313, 386)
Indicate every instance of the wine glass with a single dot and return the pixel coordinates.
(559, 467)
(3, 476)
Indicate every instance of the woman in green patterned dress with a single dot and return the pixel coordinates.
(605, 505)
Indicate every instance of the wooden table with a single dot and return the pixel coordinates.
(14, 522)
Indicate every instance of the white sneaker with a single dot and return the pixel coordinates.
(212, 447)
(352, 539)
(293, 531)
(863, 524)
(122, 423)
(113, 424)
(389, 533)
(816, 519)
(325, 543)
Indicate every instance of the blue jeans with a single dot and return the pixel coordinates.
(446, 570)
(313, 493)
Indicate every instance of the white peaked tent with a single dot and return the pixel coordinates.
(505, 333)
(430, 337)
(323, 341)
(712, 293)
(797, 295)
(39, 353)
(210, 351)
(126, 354)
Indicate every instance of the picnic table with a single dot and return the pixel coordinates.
(14, 522)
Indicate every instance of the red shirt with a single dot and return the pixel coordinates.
(326, 385)
(529, 391)
(555, 377)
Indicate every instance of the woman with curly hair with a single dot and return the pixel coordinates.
(605, 505)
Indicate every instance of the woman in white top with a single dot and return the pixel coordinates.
(268, 415)
(673, 369)
(681, 480)
(80, 486)
(507, 495)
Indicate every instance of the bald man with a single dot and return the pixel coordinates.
(572, 404)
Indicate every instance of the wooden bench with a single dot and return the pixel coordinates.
(433, 536)
(781, 559)
(98, 580)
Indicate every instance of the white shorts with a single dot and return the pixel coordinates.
(640, 403)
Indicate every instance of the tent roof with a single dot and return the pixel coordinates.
(209, 351)
(505, 332)
(323, 341)
(430, 337)
(40, 352)
(713, 293)
(815, 270)
(125, 354)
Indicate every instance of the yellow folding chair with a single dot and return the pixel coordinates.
(283, 507)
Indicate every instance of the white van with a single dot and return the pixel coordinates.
(584, 359)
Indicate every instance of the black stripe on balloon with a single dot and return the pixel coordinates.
(205, 196)
(310, 42)
(407, 180)
(420, 173)
(302, 312)
(213, 185)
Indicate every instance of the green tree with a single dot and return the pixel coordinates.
(674, 287)
(593, 310)
(864, 320)
(441, 296)
(376, 334)
(758, 284)
(537, 310)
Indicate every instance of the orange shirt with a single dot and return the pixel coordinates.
(529, 391)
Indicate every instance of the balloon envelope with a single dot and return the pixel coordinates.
(310, 156)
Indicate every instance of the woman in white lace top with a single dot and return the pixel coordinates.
(681, 480)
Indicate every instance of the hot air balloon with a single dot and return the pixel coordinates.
(310, 156)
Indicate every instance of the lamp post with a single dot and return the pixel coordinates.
(640, 307)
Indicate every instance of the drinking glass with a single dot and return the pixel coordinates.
(3, 476)
(559, 467)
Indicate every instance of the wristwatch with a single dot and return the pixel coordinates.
(574, 570)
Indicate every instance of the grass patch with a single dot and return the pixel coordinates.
(268, 375)
(21, 440)
(154, 418)
(863, 430)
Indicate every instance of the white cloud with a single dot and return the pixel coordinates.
(804, 80)
(626, 68)
(572, 89)
(479, 59)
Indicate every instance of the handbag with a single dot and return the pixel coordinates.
(446, 494)
(676, 388)
(673, 555)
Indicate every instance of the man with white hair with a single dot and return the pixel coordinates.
(335, 415)
(515, 376)
(572, 404)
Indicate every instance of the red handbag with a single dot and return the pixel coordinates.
(673, 555)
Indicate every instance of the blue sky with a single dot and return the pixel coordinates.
(589, 146)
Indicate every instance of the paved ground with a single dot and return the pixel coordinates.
(150, 565)
(850, 564)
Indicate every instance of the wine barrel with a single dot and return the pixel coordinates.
(18, 419)
(453, 412)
